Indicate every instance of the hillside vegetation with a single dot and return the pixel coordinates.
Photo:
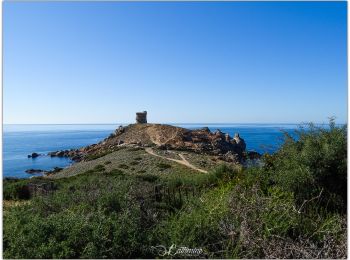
(294, 206)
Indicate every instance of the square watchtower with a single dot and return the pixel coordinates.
(141, 117)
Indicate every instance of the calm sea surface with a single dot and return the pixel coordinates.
(21, 140)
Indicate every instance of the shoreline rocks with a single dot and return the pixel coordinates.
(39, 171)
(33, 155)
(74, 155)
(55, 170)
(34, 171)
(253, 155)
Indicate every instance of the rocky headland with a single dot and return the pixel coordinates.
(164, 137)
(174, 141)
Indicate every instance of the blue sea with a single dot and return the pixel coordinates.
(21, 140)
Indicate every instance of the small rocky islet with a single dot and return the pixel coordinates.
(217, 146)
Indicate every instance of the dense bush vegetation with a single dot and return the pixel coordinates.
(15, 189)
(315, 163)
(294, 206)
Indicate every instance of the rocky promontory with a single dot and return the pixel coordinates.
(177, 138)
(166, 137)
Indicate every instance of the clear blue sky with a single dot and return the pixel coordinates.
(228, 62)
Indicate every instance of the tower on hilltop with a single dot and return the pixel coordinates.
(141, 117)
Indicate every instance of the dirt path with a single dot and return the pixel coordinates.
(183, 161)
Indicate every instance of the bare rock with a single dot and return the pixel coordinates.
(34, 171)
(170, 138)
(252, 155)
(231, 157)
(33, 155)
(240, 142)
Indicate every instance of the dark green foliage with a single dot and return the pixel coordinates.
(88, 217)
(135, 149)
(123, 166)
(198, 225)
(22, 189)
(163, 166)
(315, 162)
(107, 162)
(134, 163)
(220, 174)
(73, 234)
(116, 172)
(99, 168)
(148, 177)
(15, 189)
(98, 155)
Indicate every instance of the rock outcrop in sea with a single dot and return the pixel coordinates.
(73, 154)
(33, 155)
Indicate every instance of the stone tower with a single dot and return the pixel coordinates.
(141, 117)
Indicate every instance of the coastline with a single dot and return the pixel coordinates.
(86, 135)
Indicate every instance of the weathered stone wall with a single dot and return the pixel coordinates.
(141, 117)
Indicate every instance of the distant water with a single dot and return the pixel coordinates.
(21, 140)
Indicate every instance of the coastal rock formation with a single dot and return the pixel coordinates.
(55, 170)
(164, 137)
(33, 155)
(230, 157)
(168, 137)
(37, 171)
(34, 171)
(74, 154)
(240, 142)
(252, 155)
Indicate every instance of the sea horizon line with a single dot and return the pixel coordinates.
(174, 123)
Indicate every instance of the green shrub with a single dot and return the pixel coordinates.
(20, 189)
(198, 225)
(316, 161)
(99, 168)
(221, 173)
(110, 202)
(163, 166)
(91, 157)
(16, 190)
(123, 166)
(135, 149)
(116, 172)
(72, 234)
(148, 177)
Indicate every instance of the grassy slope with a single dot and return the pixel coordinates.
(134, 160)
(109, 191)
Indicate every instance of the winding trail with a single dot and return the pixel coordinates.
(183, 161)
